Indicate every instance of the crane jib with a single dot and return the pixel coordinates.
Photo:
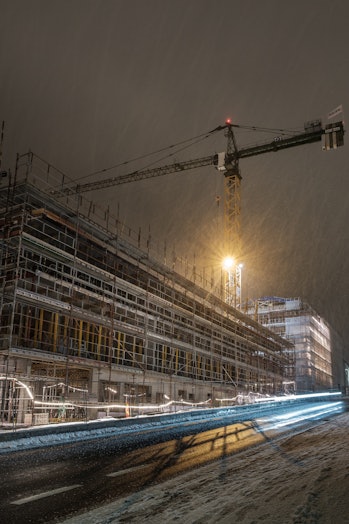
(332, 136)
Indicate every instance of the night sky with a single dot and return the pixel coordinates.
(89, 84)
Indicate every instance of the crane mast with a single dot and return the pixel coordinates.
(232, 222)
(332, 137)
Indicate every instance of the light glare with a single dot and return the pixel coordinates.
(228, 263)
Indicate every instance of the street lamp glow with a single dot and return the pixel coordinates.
(228, 263)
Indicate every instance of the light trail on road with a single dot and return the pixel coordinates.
(303, 415)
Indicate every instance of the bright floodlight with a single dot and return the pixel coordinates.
(228, 263)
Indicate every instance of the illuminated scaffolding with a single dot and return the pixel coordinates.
(89, 313)
(295, 320)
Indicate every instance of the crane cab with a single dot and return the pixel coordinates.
(220, 161)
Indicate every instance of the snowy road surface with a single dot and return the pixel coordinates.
(50, 484)
(301, 479)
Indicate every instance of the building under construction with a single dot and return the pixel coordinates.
(92, 320)
(295, 320)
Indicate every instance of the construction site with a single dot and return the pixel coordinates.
(94, 322)
(88, 316)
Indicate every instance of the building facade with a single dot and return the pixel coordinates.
(296, 321)
(91, 321)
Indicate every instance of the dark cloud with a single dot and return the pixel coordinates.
(89, 84)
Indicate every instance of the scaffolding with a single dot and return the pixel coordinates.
(295, 320)
(92, 317)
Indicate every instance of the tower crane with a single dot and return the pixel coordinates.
(332, 137)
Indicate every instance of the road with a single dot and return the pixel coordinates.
(51, 484)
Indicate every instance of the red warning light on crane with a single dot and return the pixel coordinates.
(228, 121)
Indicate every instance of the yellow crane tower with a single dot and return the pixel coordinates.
(332, 137)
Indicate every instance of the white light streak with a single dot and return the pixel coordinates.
(301, 415)
(31, 396)
(297, 397)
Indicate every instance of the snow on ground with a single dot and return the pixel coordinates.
(77, 433)
(302, 479)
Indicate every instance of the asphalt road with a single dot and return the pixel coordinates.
(49, 485)
(53, 483)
